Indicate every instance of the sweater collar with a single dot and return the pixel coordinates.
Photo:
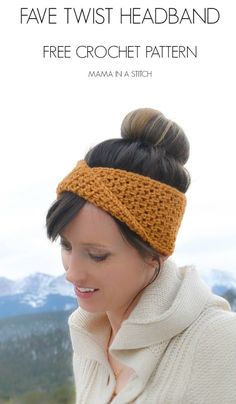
(167, 307)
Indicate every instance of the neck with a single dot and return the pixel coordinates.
(116, 318)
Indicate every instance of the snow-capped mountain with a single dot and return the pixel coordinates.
(6, 286)
(220, 281)
(37, 283)
(37, 292)
(40, 292)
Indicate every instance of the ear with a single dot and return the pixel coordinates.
(153, 262)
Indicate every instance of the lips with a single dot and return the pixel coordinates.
(85, 295)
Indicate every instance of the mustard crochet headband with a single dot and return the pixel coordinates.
(150, 208)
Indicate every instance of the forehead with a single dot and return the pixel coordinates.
(93, 225)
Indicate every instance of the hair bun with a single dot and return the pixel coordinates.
(151, 125)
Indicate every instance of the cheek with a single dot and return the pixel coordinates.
(126, 274)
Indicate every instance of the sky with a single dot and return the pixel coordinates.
(52, 113)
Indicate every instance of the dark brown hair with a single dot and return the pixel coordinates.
(151, 145)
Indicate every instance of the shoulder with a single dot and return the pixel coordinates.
(217, 340)
(214, 360)
(219, 334)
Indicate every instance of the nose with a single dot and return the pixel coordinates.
(75, 272)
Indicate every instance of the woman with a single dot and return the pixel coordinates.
(145, 331)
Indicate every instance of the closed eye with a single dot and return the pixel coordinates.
(96, 258)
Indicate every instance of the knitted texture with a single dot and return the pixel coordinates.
(150, 208)
(180, 344)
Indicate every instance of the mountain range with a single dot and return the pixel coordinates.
(41, 292)
(36, 293)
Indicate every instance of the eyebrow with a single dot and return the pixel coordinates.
(88, 244)
(94, 245)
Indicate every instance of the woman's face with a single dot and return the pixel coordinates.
(95, 255)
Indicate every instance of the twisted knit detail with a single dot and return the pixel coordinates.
(152, 209)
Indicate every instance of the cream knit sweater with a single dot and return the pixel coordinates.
(180, 339)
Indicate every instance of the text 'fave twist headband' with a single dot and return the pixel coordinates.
(150, 208)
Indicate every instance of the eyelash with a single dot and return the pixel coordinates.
(94, 257)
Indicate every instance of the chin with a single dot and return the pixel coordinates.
(88, 308)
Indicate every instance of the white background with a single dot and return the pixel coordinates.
(52, 113)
